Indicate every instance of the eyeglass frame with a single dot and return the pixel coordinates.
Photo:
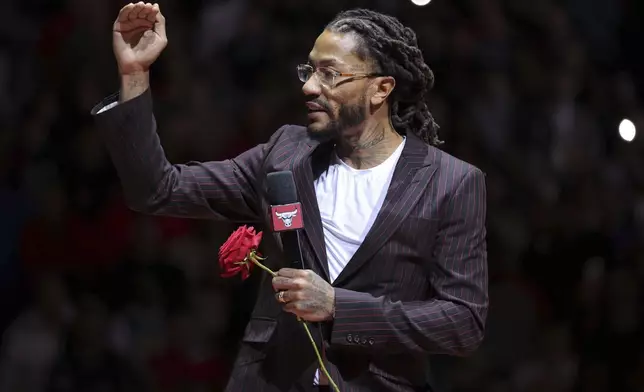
(335, 73)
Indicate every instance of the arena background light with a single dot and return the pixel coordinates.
(627, 130)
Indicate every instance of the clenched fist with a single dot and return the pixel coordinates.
(138, 37)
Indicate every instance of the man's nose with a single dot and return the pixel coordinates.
(312, 86)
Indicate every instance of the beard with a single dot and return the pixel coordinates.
(349, 116)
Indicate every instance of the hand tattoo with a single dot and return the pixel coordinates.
(306, 294)
(318, 297)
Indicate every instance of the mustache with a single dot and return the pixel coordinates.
(322, 104)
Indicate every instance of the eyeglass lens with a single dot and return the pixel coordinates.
(304, 73)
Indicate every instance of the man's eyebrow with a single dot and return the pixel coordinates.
(323, 62)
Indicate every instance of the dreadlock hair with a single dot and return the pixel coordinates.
(394, 51)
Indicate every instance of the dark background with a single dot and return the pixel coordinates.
(96, 298)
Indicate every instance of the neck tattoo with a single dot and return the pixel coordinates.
(370, 151)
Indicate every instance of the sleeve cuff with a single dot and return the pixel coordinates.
(354, 313)
(106, 104)
(112, 101)
(107, 107)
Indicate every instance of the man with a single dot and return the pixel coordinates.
(394, 240)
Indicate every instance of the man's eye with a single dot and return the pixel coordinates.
(327, 73)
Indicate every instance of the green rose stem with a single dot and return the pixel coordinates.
(254, 258)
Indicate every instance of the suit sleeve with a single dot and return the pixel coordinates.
(452, 321)
(224, 190)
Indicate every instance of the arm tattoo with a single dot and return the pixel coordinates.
(133, 85)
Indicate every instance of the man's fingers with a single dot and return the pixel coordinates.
(131, 12)
(292, 307)
(134, 13)
(124, 14)
(145, 11)
(140, 23)
(159, 25)
(134, 17)
(126, 7)
(293, 273)
(131, 26)
(287, 272)
(283, 283)
(151, 14)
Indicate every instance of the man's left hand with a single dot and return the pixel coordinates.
(305, 294)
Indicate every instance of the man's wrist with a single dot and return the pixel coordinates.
(133, 85)
(332, 313)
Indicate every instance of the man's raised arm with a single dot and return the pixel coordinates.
(220, 190)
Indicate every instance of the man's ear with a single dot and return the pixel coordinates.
(384, 86)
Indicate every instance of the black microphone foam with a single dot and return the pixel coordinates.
(282, 191)
(281, 188)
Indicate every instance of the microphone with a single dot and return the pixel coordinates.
(286, 214)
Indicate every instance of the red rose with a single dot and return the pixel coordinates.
(234, 252)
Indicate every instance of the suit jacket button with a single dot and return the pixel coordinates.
(364, 340)
(371, 341)
(349, 338)
(356, 339)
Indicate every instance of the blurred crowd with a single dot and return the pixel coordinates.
(98, 298)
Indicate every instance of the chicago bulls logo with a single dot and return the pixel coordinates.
(286, 217)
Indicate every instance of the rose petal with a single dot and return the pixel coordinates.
(231, 242)
(230, 272)
(257, 238)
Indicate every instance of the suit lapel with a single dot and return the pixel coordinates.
(304, 182)
(412, 173)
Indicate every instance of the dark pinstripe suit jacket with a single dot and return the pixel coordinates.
(416, 286)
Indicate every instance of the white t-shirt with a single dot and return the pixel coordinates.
(349, 201)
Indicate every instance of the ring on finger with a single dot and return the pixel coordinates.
(280, 297)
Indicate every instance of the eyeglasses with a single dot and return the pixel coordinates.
(327, 76)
